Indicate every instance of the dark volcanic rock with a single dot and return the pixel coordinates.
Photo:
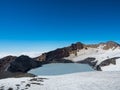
(108, 62)
(90, 61)
(23, 64)
(62, 61)
(98, 68)
(4, 62)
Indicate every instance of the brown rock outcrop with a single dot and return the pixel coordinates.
(60, 53)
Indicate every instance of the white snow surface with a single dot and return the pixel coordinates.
(99, 53)
(76, 81)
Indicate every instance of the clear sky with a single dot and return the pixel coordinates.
(41, 25)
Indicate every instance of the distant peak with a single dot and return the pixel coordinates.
(110, 44)
(77, 43)
(9, 57)
(106, 45)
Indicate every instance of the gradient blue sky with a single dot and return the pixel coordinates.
(40, 25)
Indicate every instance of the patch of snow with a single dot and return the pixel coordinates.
(5, 84)
(99, 53)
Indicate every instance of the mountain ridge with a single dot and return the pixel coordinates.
(73, 53)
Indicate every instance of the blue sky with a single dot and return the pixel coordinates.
(40, 25)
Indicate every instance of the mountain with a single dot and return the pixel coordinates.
(98, 56)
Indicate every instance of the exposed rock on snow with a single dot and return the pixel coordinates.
(114, 65)
(96, 55)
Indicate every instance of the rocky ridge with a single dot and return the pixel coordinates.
(24, 63)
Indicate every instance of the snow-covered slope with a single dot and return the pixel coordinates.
(98, 53)
(100, 56)
(76, 81)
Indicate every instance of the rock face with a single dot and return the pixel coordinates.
(23, 64)
(5, 62)
(90, 60)
(60, 53)
(108, 62)
(110, 44)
